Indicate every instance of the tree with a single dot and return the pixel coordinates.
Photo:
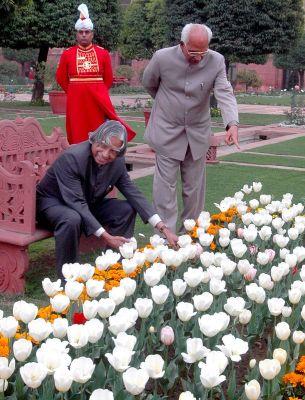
(294, 60)
(22, 56)
(144, 28)
(242, 29)
(8, 7)
(44, 24)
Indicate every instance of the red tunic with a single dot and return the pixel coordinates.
(86, 75)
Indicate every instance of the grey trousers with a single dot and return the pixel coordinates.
(116, 216)
(165, 188)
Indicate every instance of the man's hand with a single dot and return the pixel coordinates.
(171, 237)
(113, 241)
(232, 136)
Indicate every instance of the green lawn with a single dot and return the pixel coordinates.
(280, 100)
(295, 147)
(257, 119)
(265, 160)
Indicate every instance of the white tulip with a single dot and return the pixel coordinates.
(269, 368)
(211, 325)
(6, 368)
(153, 365)
(184, 240)
(234, 306)
(159, 294)
(101, 394)
(299, 251)
(186, 396)
(277, 273)
(217, 286)
(129, 265)
(59, 302)
(51, 288)
(63, 379)
(280, 355)
(39, 329)
(86, 272)
(120, 358)
(60, 326)
(256, 293)
(189, 224)
(151, 254)
(252, 363)
(129, 285)
(144, 307)
(73, 289)
(224, 241)
(244, 317)
(252, 390)
(152, 277)
(232, 226)
(265, 233)
(294, 296)
(90, 308)
(215, 272)
(228, 266)
(257, 186)
(265, 199)
(210, 376)
(105, 307)
(275, 305)
(94, 287)
(298, 337)
(286, 311)
(203, 302)
(247, 218)
(291, 260)
(156, 240)
(250, 233)
(127, 250)
(233, 347)
(8, 326)
(117, 294)
(124, 340)
(282, 330)
(265, 281)
(244, 266)
(185, 311)
(179, 287)
(207, 258)
(82, 369)
(195, 350)
(108, 258)
(262, 258)
(280, 240)
(193, 276)
(33, 374)
(206, 239)
(238, 248)
(135, 380)
(22, 349)
(139, 258)
(71, 271)
(95, 329)
(77, 335)
(52, 358)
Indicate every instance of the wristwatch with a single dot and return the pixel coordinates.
(162, 228)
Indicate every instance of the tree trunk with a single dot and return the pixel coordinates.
(301, 73)
(38, 87)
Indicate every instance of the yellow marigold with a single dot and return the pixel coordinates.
(44, 312)
(213, 246)
(293, 378)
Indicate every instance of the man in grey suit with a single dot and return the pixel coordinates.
(71, 196)
(181, 79)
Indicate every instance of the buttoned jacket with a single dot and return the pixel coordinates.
(180, 115)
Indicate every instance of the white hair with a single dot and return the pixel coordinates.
(189, 27)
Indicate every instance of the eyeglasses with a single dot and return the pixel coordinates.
(196, 53)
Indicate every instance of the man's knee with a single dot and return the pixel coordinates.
(70, 221)
(127, 209)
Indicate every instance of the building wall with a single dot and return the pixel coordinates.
(270, 75)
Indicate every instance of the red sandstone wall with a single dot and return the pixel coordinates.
(270, 75)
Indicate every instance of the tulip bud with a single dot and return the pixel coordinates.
(252, 363)
(286, 311)
(167, 335)
(280, 355)
(151, 329)
(282, 330)
(298, 337)
(252, 390)
(244, 317)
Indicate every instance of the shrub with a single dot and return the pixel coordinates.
(249, 78)
(9, 69)
(125, 71)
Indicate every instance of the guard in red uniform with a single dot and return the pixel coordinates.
(85, 74)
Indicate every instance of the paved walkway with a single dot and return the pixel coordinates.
(130, 99)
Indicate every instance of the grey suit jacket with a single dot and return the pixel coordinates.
(181, 115)
(75, 180)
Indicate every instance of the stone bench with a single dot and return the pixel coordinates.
(25, 155)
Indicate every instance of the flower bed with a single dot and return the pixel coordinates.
(157, 323)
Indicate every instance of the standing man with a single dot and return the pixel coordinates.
(71, 197)
(85, 74)
(181, 79)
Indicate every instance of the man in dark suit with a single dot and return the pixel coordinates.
(71, 198)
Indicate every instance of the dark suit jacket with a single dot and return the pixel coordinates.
(75, 180)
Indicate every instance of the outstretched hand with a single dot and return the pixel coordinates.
(114, 241)
(171, 237)
(232, 136)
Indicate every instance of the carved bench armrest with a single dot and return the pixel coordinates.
(18, 198)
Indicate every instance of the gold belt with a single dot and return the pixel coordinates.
(86, 79)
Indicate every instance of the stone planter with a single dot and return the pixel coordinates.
(58, 101)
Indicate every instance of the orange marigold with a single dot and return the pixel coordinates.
(301, 365)
(293, 378)
(4, 347)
